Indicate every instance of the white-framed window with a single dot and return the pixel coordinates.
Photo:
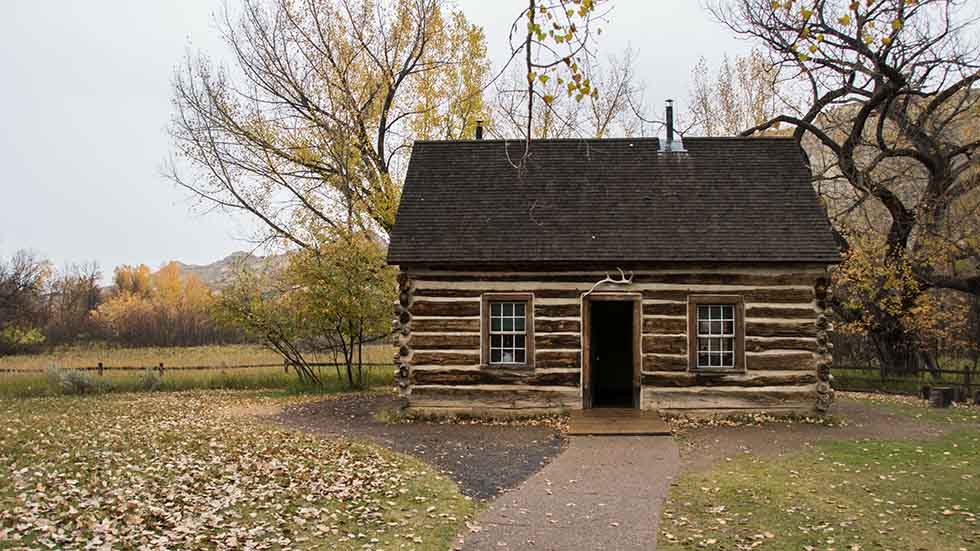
(508, 332)
(716, 337)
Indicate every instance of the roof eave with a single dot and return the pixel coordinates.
(571, 264)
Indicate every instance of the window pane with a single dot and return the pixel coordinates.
(728, 312)
(508, 325)
(716, 335)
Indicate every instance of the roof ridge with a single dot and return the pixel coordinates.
(606, 140)
(540, 140)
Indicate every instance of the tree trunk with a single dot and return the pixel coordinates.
(349, 360)
(896, 352)
(360, 357)
(928, 360)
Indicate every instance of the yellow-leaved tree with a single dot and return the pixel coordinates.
(163, 308)
(327, 301)
(312, 124)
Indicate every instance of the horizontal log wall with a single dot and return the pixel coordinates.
(727, 398)
(439, 354)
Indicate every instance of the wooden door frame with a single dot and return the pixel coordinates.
(586, 382)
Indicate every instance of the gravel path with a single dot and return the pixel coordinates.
(602, 492)
(484, 460)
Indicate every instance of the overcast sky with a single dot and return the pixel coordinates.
(86, 101)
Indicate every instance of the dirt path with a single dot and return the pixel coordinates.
(484, 460)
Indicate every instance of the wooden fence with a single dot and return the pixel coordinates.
(965, 381)
(161, 368)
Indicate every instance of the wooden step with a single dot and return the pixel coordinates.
(616, 422)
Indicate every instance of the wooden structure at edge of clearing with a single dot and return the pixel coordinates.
(783, 366)
(612, 273)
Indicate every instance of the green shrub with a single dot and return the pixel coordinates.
(15, 339)
(73, 382)
(149, 381)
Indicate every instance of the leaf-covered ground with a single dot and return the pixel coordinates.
(839, 495)
(196, 470)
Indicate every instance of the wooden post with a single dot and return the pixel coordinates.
(967, 383)
(285, 366)
(961, 394)
(161, 369)
(100, 369)
(941, 397)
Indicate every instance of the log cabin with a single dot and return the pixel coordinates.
(670, 275)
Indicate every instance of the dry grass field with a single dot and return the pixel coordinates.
(26, 376)
(216, 356)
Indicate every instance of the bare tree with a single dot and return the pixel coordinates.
(598, 115)
(555, 40)
(22, 281)
(740, 94)
(890, 98)
(71, 295)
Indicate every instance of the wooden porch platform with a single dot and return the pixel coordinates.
(616, 422)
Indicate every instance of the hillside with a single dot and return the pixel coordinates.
(221, 273)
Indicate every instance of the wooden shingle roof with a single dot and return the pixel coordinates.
(609, 201)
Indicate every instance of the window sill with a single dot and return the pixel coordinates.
(507, 367)
(717, 370)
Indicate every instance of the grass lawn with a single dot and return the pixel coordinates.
(196, 470)
(911, 406)
(25, 385)
(844, 496)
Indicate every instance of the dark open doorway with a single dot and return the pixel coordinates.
(611, 353)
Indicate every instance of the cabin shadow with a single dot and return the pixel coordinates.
(612, 354)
